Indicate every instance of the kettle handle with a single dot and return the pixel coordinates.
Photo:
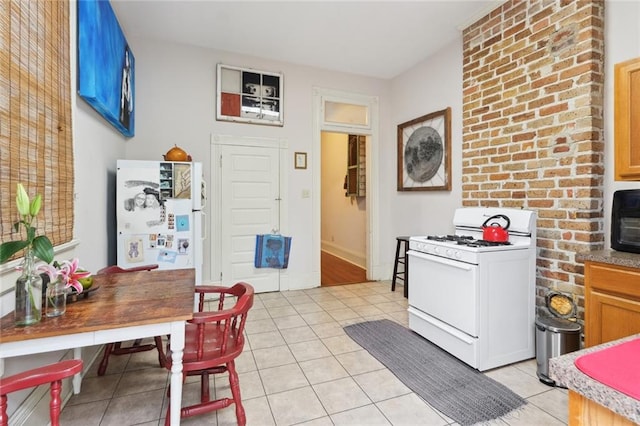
(498, 216)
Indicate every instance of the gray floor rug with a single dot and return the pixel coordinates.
(446, 383)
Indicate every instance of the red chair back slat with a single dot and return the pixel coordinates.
(115, 269)
(52, 374)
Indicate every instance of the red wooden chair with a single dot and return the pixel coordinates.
(116, 347)
(213, 340)
(52, 374)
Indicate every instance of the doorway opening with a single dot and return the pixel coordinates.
(340, 114)
(343, 209)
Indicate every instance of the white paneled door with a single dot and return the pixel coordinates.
(250, 205)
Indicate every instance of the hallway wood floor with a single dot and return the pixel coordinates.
(335, 271)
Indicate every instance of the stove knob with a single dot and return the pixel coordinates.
(436, 250)
(458, 255)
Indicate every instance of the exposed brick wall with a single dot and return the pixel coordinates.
(533, 127)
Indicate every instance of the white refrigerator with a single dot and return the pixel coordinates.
(159, 214)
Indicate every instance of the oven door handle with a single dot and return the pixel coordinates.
(442, 260)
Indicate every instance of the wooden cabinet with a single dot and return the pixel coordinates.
(583, 411)
(356, 166)
(627, 120)
(612, 302)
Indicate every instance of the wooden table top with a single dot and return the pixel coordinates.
(120, 300)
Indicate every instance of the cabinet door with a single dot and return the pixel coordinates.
(627, 120)
(356, 166)
(583, 411)
(610, 318)
(352, 166)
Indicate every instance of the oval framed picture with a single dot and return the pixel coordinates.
(424, 153)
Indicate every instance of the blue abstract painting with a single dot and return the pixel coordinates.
(106, 77)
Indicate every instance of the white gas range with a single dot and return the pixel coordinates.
(475, 298)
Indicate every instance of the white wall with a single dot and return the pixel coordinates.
(175, 104)
(344, 219)
(432, 85)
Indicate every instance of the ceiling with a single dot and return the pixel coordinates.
(379, 39)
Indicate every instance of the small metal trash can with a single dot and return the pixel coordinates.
(554, 337)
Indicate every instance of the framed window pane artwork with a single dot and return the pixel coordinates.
(250, 96)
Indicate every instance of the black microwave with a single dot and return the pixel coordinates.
(625, 221)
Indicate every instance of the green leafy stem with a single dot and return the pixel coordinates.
(28, 210)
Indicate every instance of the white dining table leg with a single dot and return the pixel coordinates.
(77, 379)
(177, 347)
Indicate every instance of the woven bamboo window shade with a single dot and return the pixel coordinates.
(36, 146)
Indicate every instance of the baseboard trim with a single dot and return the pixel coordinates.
(357, 259)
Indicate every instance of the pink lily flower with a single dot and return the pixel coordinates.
(67, 272)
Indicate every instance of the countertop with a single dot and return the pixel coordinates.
(563, 370)
(613, 257)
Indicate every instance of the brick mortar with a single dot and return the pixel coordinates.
(533, 134)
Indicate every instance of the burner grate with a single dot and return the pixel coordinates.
(483, 243)
(466, 240)
(456, 238)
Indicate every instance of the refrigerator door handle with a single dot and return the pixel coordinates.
(203, 234)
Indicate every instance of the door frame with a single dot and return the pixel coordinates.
(215, 195)
(320, 96)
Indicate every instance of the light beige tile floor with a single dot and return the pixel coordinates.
(300, 368)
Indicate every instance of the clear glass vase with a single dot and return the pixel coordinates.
(56, 298)
(28, 292)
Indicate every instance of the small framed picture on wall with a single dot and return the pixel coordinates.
(300, 160)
